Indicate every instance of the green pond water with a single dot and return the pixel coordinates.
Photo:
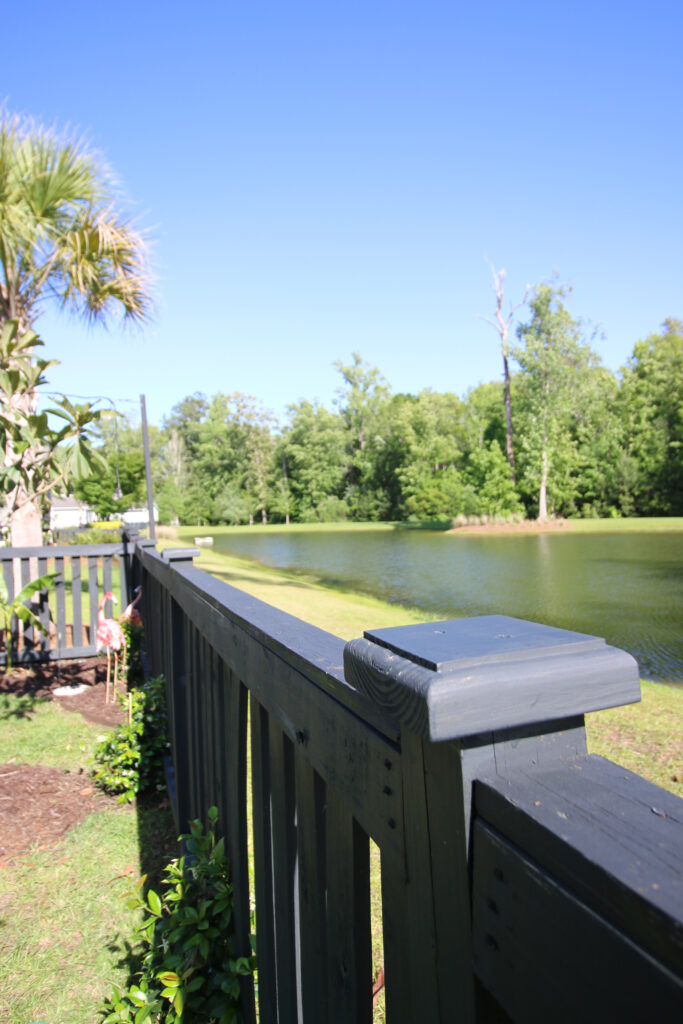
(625, 587)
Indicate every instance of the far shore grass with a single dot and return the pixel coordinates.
(645, 737)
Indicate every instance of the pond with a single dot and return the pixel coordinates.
(625, 587)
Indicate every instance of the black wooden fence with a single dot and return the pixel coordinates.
(67, 610)
(521, 878)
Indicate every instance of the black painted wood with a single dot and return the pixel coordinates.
(107, 587)
(329, 768)
(28, 631)
(311, 879)
(303, 646)
(283, 838)
(60, 601)
(340, 745)
(76, 593)
(44, 611)
(263, 862)
(609, 836)
(533, 673)
(547, 956)
(349, 951)
(92, 597)
(230, 739)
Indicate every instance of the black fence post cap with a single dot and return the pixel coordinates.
(180, 554)
(445, 680)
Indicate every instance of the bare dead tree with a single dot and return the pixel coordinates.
(502, 325)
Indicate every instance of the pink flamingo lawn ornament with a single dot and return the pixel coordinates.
(110, 637)
(130, 613)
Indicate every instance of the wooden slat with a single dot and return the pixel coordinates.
(283, 814)
(413, 963)
(107, 586)
(263, 862)
(545, 955)
(311, 870)
(27, 630)
(349, 953)
(63, 551)
(92, 597)
(60, 599)
(177, 670)
(124, 590)
(76, 592)
(44, 609)
(230, 745)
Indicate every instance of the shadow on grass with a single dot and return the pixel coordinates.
(19, 707)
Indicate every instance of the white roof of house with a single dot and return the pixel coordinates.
(68, 502)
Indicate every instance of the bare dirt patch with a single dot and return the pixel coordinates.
(39, 805)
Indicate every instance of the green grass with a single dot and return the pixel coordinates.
(647, 738)
(42, 732)
(661, 524)
(65, 931)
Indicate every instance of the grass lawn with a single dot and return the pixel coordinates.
(65, 931)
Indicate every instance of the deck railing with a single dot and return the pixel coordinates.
(521, 878)
(67, 609)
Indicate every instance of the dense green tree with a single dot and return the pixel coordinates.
(651, 403)
(62, 240)
(487, 475)
(315, 456)
(362, 400)
(555, 363)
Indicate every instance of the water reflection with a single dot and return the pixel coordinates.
(625, 587)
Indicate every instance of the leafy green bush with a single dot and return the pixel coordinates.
(131, 758)
(135, 636)
(190, 971)
(95, 535)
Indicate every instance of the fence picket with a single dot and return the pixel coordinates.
(311, 868)
(263, 861)
(349, 953)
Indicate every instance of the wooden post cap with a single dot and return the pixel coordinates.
(462, 677)
(180, 554)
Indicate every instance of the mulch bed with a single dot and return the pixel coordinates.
(39, 805)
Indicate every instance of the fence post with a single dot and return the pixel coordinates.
(474, 697)
(180, 664)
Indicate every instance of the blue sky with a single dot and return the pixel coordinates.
(324, 177)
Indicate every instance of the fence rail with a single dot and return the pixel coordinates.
(67, 609)
(521, 878)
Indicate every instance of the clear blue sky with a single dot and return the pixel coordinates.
(327, 177)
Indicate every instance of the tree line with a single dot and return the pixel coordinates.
(584, 442)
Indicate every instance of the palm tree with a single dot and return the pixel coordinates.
(62, 240)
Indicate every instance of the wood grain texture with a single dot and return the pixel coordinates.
(609, 836)
(474, 697)
(547, 956)
(349, 953)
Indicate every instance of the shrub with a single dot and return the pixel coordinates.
(131, 758)
(190, 971)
